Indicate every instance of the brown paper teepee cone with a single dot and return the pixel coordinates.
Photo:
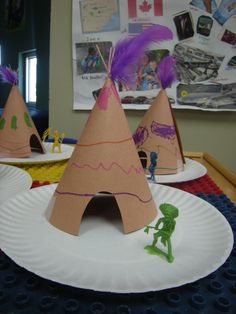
(18, 134)
(158, 131)
(105, 159)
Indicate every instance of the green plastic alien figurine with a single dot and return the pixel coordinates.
(169, 212)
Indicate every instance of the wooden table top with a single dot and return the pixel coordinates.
(225, 179)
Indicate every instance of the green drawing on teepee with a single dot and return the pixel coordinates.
(2, 123)
(164, 228)
(14, 122)
(27, 120)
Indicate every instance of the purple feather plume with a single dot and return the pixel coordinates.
(166, 71)
(129, 53)
(8, 75)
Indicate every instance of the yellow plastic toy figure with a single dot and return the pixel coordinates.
(46, 134)
(57, 141)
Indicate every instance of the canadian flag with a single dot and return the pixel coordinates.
(145, 8)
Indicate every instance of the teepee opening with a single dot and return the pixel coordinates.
(103, 206)
(143, 158)
(35, 144)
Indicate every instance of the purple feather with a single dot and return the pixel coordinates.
(8, 75)
(129, 53)
(166, 71)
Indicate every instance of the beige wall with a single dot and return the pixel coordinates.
(212, 132)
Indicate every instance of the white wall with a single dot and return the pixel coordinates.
(212, 132)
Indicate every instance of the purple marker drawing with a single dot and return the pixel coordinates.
(163, 130)
(140, 136)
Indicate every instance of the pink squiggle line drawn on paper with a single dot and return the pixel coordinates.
(101, 166)
(112, 193)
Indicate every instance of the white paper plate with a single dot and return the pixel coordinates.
(192, 170)
(12, 181)
(102, 258)
(66, 152)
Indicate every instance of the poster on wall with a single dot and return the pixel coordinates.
(204, 46)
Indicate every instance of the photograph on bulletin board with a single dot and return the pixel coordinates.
(203, 45)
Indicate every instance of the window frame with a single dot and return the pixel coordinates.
(23, 57)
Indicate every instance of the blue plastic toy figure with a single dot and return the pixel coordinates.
(152, 167)
(169, 212)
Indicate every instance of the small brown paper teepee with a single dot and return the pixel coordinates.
(104, 160)
(18, 134)
(158, 131)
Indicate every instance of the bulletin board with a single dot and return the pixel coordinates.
(204, 46)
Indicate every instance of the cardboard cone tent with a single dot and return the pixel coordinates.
(105, 159)
(18, 134)
(158, 131)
